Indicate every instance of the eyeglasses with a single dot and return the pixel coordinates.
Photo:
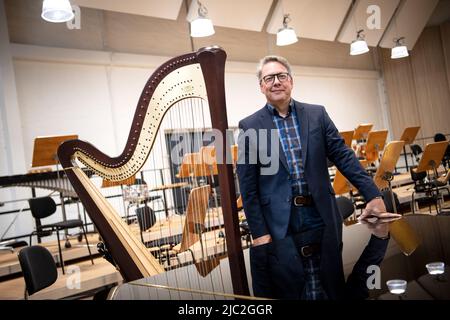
(270, 79)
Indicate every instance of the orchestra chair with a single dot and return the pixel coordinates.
(430, 161)
(44, 207)
(146, 219)
(38, 268)
(345, 207)
(9, 245)
(420, 187)
(136, 194)
(416, 150)
(446, 160)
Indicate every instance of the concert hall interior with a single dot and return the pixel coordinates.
(119, 140)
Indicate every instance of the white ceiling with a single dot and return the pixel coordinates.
(238, 14)
(311, 19)
(411, 18)
(166, 9)
(358, 17)
(328, 20)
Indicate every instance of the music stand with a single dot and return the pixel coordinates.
(347, 136)
(194, 223)
(45, 154)
(375, 144)
(389, 159)
(400, 230)
(362, 131)
(431, 159)
(45, 149)
(340, 183)
(408, 136)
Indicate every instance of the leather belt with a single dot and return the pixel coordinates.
(309, 250)
(302, 201)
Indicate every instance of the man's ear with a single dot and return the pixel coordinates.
(261, 86)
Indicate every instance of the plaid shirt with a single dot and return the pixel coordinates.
(289, 133)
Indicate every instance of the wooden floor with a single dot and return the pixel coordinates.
(82, 276)
(102, 273)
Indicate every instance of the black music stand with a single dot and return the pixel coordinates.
(401, 231)
(45, 152)
(408, 136)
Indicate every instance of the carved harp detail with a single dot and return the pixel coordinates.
(195, 75)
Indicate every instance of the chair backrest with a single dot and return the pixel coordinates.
(38, 268)
(146, 218)
(345, 207)
(439, 137)
(417, 176)
(415, 149)
(42, 207)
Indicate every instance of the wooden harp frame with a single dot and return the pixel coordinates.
(195, 75)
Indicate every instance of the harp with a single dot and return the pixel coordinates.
(198, 75)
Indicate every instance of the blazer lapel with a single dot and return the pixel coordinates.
(303, 118)
(267, 123)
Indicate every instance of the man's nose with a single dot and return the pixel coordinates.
(276, 81)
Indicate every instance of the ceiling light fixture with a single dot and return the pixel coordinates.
(201, 26)
(286, 35)
(359, 46)
(399, 50)
(57, 11)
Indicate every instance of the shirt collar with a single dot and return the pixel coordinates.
(274, 111)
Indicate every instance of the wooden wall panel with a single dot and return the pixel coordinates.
(401, 96)
(417, 87)
(445, 36)
(433, 99)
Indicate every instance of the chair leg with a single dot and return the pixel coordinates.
(61, 261)
(87, 244)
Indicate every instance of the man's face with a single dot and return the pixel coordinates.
(277, 92)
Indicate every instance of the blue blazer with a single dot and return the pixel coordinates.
(267, 198)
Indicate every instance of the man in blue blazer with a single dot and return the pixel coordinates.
(289, 202)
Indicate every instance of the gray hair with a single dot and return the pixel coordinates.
(268, 59)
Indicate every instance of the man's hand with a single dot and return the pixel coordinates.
(375, 209)
(262, 240)
(376, 218)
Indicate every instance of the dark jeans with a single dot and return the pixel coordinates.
(278, 268)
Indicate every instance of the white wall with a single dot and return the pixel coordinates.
(94, 94)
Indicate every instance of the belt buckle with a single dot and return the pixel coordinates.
(298, 204)
(306, 254)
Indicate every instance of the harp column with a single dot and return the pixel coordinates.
(214, 80)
